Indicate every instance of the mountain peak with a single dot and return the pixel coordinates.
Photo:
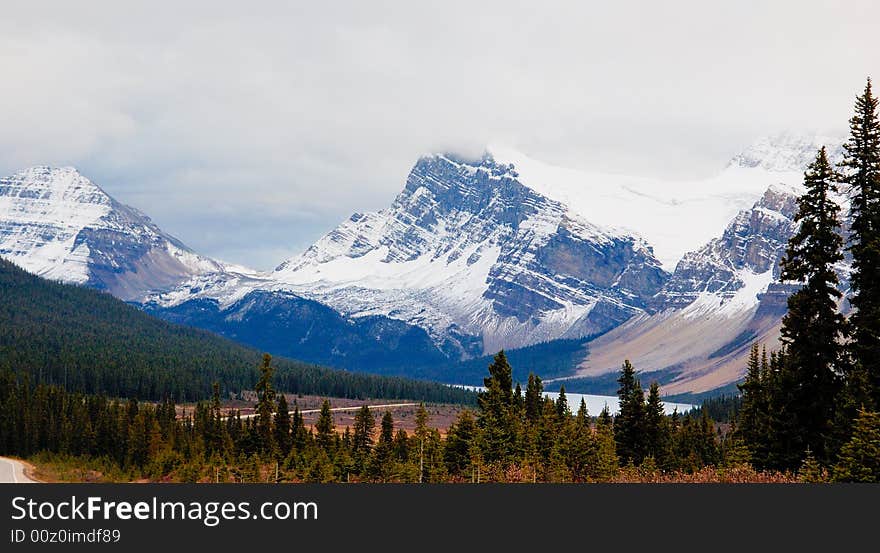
(787, 151)
(58, 224)
(53, 185)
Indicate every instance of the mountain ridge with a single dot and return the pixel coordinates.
(502, 251)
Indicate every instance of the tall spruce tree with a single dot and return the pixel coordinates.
(380, 467)
(283, 439)
(657, 432)
(298, 432)
(607, 462)
(362, 439)
(629, 425)
(862, 164)
(496, 410)
(534, 398)
(459, 440)
(754, 413)
(562, 408)
(325, 428)
(813, 327)
(860, 456)
(265, 404)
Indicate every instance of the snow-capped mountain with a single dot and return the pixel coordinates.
(467, 248)
(472, 256)
(725, 295)
(56, 223)
(506, 251)
(721, 298)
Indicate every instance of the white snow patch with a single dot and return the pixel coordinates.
(676, 217)
(722, 305)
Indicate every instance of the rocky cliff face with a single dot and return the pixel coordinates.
(752, 244)
(56, 223)
(467, 248)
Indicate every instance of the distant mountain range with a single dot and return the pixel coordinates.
(473, 255)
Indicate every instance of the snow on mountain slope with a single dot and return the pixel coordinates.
(722, 298)
(56, 223)
(676, 217)
(506, 251)
(466, 247)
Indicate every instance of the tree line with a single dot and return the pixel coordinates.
(514, 435)
(89, 341)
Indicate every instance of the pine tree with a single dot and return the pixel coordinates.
(496, 410)
(283, 438)
(380, 466)
(518, 401)
(421, 437)
(862, 163)
(629, 425)
(656, 435)
(499, 383)
(460, 436)
(534, 397)
(605, 418)
(813, 327)
(562, 409)
(362, 440)
(811, 471)
(386, 430)
(785, 445)
(325, 428)
(754, 422)
(298, 432)
(607, 466)
(401, 446)
(579, 445)
(265, 404)
(860, 457)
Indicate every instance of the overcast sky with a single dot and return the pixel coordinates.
(250, 129)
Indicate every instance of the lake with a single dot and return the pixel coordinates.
(596, 403)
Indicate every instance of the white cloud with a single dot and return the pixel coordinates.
(211, 118)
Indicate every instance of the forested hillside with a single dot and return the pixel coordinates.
(90, 342)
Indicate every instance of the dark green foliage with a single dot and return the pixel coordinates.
(862, 173)
(381, 465)
(460, 441)
(754, 416)
(534, 397)
(860, 456)
(325, 428)
(813, 327)
(695, 443)
(629, 425)
(496, 410)
(362, 439)
(657, 430)
(281, 427)
(562, 408)
(88, 341)
(265, 405)
(143, 440)
(722, 408)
